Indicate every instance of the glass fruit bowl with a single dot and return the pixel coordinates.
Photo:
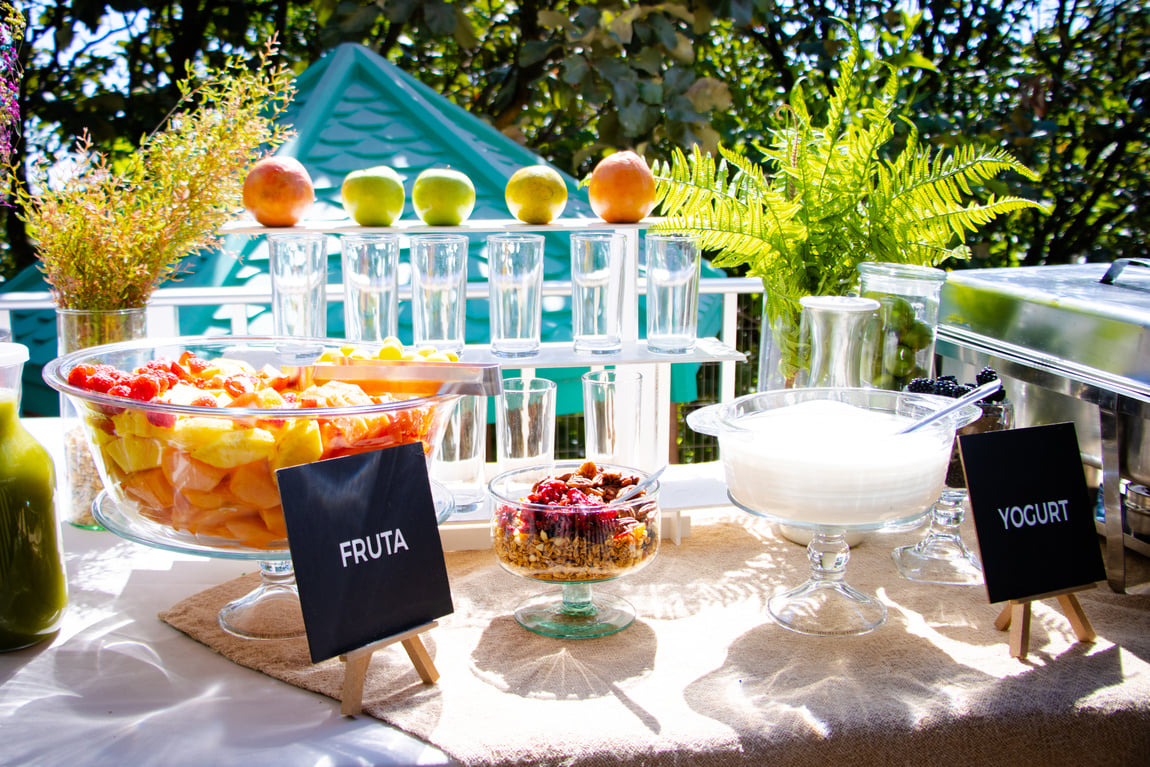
(833, 461)
(187, 434)
(560, 523)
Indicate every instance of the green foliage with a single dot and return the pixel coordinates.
(112, 231)
(830, 195)
(1059, 84)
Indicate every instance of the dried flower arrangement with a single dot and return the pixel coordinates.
(112, 232)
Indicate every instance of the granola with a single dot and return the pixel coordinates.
(568, 530)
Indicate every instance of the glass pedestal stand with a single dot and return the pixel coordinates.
(575, 614)
(826, 605)
(269, 611)
(941, 556)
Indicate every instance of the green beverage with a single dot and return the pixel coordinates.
(33, 591)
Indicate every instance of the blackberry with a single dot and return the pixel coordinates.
(953, 379)
(986, 375)
(963, 389)
(920, 386)
(946, 387)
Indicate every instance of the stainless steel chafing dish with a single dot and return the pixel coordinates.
(1073, 343)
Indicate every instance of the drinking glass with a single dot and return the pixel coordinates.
(370, 286)
(515, 282)
(458, 463)
(525, 422)
(298, 266)
(439, 289)
(612, 406)
(597, 291)
(673, 262)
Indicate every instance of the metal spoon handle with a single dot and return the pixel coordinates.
(982, 392)
(633, 490)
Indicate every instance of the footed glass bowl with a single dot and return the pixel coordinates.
(559, 523)
(187, 434)
(833, 461)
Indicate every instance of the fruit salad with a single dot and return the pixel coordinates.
(209, 469)
(569, 529)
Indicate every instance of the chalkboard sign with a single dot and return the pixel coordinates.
(1032, 511)
(365, 544)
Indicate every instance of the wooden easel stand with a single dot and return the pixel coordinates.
(1016, 617)
(356, 662)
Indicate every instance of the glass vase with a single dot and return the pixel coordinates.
(903, 334)
(782, 360)
(79, 329)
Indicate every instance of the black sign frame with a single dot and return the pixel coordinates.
(365, 545)
(1033, 512)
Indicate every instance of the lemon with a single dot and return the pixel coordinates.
(536, 194)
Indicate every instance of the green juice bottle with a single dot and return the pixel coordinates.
(33, 590)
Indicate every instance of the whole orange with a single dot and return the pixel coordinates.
(622, 188)
(278, 191)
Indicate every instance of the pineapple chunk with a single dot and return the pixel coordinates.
(299, 443)
(132, 453)
(195, 432)
(235, 448)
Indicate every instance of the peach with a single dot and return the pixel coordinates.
(278, 191)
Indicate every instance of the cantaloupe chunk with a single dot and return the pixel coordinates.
(185, 472)
(274, 520)
(149, 487)
(253, 484)
(251, 532)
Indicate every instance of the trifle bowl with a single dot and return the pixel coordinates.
(187, 434)
(570, 524)
(833, 461)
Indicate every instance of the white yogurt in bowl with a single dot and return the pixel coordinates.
(827, 463)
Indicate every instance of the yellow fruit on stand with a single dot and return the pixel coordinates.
(536, 194)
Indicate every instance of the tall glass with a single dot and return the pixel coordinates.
(612, 409)
(515, 283)
(673, 263)
(370, 286)
(903, 335)
(439, 289)
(525, 422)
(459, 461)
(298, 266)
(597, 291)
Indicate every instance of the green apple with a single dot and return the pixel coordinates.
(373, 196)
(443, 197)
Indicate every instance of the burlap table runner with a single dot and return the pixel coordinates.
(705, 677)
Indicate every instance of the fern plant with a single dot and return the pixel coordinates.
(829, 197)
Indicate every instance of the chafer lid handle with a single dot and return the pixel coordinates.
(1117, 267)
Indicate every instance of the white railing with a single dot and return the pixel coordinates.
(166, 303)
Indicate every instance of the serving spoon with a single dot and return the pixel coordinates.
(982, 392)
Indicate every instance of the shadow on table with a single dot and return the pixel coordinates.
(935, 696)
(518, 662)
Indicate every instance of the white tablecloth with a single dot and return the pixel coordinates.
(120, 687)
